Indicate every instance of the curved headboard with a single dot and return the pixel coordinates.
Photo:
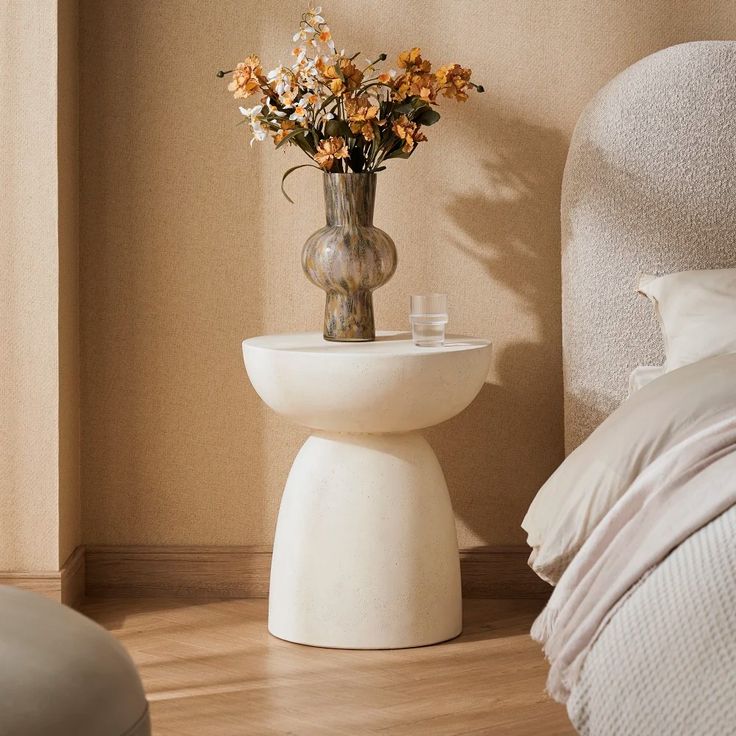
(649, 187)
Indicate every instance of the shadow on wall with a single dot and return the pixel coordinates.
(511, 437)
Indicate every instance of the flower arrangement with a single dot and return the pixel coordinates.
(344, 115)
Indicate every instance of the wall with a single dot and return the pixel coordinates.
(70, 512)
(29, 288)
(187, 246)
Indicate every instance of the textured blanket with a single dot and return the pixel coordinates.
(677, 494)
(664, 662)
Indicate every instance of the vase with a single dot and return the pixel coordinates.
(349, 257)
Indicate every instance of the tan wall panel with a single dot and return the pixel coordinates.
(29, 366)
(187, 246)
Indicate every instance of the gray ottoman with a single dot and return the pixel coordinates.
(62, 674)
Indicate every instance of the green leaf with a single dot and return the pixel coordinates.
(305, 145)
(290, 171)
(287, 138)
(376, 144)
(337, 128)
(426, 116)
(398, 153)
(404, 108)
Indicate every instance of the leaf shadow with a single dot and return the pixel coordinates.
(511, 437)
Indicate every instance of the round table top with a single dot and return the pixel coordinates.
(388, 385)
(394, 343)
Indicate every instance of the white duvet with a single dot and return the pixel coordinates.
(640, 631)
(678, 493)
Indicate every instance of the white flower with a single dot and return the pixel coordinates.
(271, 110)
(303, 34)
(251, 112)
(315, 14)
(287, 99)
(300, 112)
(283, 79)
(260, 132)
(310, 100)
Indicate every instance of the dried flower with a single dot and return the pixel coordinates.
(300, 113)
(362, 115)
(329, 150)
(408, 132)
(424, 86)
(453, 80)
(247, 78)
(343, 76)
(374, 115)
(286, 126)
(412, 60)
(326, 37)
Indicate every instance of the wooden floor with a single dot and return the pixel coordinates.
(211, 669)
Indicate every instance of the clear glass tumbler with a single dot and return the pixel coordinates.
(428, 314)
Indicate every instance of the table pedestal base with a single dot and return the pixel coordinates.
(365, 554)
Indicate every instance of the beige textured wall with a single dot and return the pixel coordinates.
(29, 265)
(187, 245)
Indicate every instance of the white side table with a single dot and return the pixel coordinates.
(365, 554)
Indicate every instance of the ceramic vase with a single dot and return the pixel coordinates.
(349, 258)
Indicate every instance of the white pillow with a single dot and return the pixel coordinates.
(590, 481)
(642, 375)
(697, 313)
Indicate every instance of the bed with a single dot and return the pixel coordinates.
(637, 529)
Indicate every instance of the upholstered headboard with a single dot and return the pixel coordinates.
(649, 187)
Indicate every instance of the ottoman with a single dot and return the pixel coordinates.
(63, 675)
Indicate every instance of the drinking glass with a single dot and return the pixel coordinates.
(428, 315)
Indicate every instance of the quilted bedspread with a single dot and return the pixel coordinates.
(665, 662)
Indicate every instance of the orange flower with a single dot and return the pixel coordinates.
(414, 84)
(408, 132)
(329, 150)
(320, 64)
(347, 77)
(337, 87)
(353, 75)
(453, 80)
(361, 116)
(247, 78)
(286, 127)
(424, 86)
(413, 60)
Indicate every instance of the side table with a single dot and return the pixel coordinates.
(365, 554)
